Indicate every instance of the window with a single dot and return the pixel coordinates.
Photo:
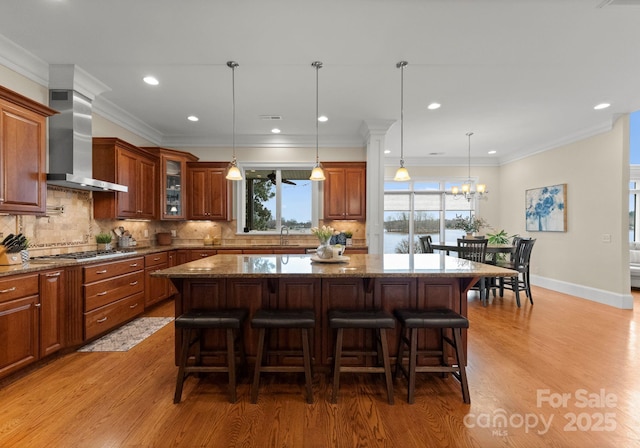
(418, 208)
(275, 197)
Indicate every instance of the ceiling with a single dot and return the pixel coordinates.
(523, 75)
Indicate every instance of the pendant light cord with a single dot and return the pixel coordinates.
(318, 66)
(469, 134)
(233, 65)
(401, 65)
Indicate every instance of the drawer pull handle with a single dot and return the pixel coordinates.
(53, 274)
(104, 319)
(133, 283)
(133, 306)
(156, 259)
(133, 265)
(103, 293)
(13, 288)
(104, 271)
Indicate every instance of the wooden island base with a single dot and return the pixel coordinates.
(294, 281)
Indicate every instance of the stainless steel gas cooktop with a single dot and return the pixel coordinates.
(85, 256)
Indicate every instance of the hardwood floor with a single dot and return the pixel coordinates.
(520, 363)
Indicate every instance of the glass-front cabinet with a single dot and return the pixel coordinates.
(173, 181)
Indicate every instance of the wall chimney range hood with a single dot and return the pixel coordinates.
(70, 133)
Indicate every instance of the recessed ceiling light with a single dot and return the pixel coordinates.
(434, 106)
(151, 80)
(192, 118)
(322, 118)
(275, 130)
(601, 106)
(387, 151)
(493, 151)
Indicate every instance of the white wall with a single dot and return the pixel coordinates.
(579, 262)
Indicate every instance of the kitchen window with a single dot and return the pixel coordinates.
(276, 197)
(418, 208)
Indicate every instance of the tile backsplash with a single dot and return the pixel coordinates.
(69, 226)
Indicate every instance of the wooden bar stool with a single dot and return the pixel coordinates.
(377, 320)
(192, 323)
(273, 319)
(440, 319)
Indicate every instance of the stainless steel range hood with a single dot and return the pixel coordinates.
(70, 143)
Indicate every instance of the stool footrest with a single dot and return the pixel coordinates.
(361, 369)
(282, 369)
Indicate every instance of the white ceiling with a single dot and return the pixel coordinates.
(523, 75)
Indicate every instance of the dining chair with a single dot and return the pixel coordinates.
(520, 262)
(475, 250)
(425, 244)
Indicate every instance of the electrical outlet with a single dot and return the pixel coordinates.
(606, 237)
(146, 233)
(173, 233)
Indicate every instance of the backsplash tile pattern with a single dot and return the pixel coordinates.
(69, 227)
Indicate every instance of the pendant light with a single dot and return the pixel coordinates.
(234, 172)
(317, 174)
(402, 174)
(466, 190)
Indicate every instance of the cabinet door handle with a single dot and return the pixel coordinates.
(103, 293)
(104, 271)
(13, 288)
(53, 274)
(38, 305)
(133, 283)
(133, 306)
(104, 319)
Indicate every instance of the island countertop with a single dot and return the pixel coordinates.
(358, 265)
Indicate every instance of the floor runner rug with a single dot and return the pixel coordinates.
(127, 336)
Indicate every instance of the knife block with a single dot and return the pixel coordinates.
(9, 259)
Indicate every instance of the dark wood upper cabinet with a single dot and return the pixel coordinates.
(115, 160)
(172, 182)
(345, 190)
(208, 190)
(23, 146)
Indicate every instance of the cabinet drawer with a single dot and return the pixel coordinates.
(155, 259)
(102, 293)
(107, 317)
(101, 271)
(196, 254)
(18, 286)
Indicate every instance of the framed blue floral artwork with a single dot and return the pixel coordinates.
(546, 209)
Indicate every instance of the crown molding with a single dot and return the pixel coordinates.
(23, 62)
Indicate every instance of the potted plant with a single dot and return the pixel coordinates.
(470, 224)
(349, 236)
(104, 241)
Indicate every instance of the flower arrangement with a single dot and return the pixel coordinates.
(469, 224)
(324, 233)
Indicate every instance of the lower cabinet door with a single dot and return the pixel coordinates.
(19, 329)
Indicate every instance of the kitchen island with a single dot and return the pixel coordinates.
(296, 281)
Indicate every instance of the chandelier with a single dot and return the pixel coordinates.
(467, 190)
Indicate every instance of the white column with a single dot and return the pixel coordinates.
(375, 132)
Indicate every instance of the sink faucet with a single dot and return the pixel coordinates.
(284, 230)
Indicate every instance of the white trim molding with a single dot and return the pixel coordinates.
(622, 301)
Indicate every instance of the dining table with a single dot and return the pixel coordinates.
(492, 249)
(492, 252)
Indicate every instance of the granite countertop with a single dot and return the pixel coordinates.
(43, 265)
(390, 265)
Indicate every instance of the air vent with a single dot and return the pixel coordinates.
(606, 3)
(271, 117)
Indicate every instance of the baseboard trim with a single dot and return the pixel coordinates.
(622, 301)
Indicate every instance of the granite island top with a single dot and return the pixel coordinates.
(388, 265)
